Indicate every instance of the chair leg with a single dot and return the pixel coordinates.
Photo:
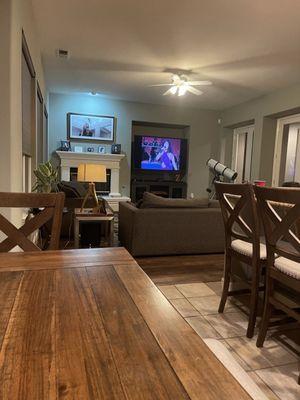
(265, 284)
(227, 272)
(266, 315)
(253, 300)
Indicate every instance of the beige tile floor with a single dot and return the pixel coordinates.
(275, 367)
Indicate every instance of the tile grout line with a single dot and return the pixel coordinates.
(266, 385)
(261, 368)
(203, 316)
(276, 366)
(239, 310)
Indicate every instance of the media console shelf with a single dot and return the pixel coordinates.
(161, 188)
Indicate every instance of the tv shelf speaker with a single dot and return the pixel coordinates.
(165, 189)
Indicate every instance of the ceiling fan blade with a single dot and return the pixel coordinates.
(169, 91)
(199, 83)
(162, 84)
(194, 91)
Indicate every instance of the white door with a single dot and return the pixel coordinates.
(242, 152)
(286, 164)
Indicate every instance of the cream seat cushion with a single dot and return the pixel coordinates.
(245, 248)
(288, 267)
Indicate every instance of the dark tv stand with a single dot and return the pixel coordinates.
(161, 188)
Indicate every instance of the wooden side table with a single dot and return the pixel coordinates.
(87, 216)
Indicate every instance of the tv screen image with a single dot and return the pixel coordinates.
(160, 154)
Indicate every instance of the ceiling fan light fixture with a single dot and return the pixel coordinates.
(181, 85)
(173, 89)
(175, 79)
(182, 90)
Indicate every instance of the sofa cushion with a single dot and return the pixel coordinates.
(150, 200)
(73, 189)
(139, 203)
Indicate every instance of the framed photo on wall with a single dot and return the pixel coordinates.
(90, 127)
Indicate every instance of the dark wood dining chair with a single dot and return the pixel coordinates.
(283, 251)
(50, 206)
(242, 242)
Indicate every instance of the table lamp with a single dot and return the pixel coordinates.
(92, 173)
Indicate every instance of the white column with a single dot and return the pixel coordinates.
(65, 173)
(114, 182)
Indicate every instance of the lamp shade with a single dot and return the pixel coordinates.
(91, 173)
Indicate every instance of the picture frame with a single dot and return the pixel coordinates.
(93, 128)
(115, 148)
(101, 150)
(65, 145)
(78, 149)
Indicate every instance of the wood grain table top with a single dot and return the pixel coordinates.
(89, 324)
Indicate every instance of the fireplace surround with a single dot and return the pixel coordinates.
(70, 160)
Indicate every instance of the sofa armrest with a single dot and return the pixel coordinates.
(127, 214)
(214, 204)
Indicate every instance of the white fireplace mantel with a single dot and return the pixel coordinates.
(70, 159)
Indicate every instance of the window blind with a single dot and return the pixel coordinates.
(39, 127)
(27, 109)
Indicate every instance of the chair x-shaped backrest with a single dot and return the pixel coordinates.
(280, 210)
(50, 206)
(238, 208)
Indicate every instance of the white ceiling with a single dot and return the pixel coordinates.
(120, 47)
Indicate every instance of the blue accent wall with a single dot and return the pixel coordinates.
(203, 134)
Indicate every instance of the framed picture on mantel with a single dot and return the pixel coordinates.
(90, 127)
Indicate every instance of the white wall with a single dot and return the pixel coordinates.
(203, 133)
(5, 77)
(15, 15)
(263, 112)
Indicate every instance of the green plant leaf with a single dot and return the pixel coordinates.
(47, 178)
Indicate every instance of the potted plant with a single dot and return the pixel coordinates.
(46, 182)
(46, 178)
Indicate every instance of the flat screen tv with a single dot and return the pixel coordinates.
(159, 154)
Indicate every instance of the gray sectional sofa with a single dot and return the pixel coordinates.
(161, 226)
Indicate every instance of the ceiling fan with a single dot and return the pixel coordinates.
(181, 85)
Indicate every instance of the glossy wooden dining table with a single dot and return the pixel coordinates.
(89, 324)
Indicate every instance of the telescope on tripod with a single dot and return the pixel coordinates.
(221, 174)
